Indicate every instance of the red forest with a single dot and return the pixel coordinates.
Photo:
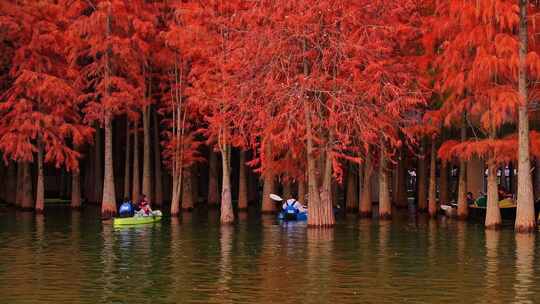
(199, 102)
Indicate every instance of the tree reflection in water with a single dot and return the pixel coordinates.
(524, 283)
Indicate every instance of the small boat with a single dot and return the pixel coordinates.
(138, 219)
(292, 216)
(507, 207)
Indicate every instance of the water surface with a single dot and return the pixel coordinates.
(72, 257)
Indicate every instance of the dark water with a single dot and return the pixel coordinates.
(66, 257)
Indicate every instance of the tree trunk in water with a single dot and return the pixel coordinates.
(158, 193)
(242, 183)
(352, 189)
(108, 203)
(26, 196)
(385, 207)
(269, 185)
(98, 168)
(176, 190)
(463, 208)
(422, 179)
(40, 190)
(187, 190)
(213, 195)
(365, 201)
(301, 191)
(493, 214)
(147, 165)
(75, 189)
(401, 181)
(227, 215)
(127, 177)
(326, 206)
(314, 198)
(11, 183)
(253, 187)
(443, 187)
(19, 188)
(136, 188)
(432, 194)
(525, 221)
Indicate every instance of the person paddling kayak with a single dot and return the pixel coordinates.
(293, 206)
(144, 206)
(126, 209)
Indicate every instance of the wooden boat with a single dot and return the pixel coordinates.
(507, 207)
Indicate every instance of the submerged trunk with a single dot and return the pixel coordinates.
(352, 189)
(76, 189)
(213, 194)
(176, 190)
(401, 181)
(158, 190)
(314, 218)
(242, 183)
(127, 179)
(443, 188)
(326, 210)
(18, 191)
(301, 191)
(463, 208)
(525, 220)
(493, 214)
(187, 190)
(147, 167)
(108, 204)
(11, 183)
(136, 187)
(227, 215)
(40, 189)
(385, 208)
(269, 185)
(432, 194)
(365, 201)
(97, 183)
(422, 179)
(26, 196)
(536, 179)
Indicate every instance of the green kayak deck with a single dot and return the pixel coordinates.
(136, 220)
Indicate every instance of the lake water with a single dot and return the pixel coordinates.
(72, 257)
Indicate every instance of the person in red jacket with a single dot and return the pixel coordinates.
(144, 204)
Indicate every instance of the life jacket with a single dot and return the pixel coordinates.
(289, 207)
(125, 209)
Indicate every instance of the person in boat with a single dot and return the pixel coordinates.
(470, 198)
(126, 209)
(144, 206)
(293, 205)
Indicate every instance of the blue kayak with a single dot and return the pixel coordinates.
(287, 215)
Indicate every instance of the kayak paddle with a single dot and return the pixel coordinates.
(276, 198)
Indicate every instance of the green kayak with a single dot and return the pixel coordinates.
(136, 220)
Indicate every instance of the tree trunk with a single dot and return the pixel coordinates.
(385, 207)
(314, 198)
(326, 206)
(242, 183)
(26, 196)
(97, 184)
(493, 214)
(422, 179)
(536, 179)
(433, 207)
(352, 189)
(19, 187)
(40, 190)
(187, 190)
(525, 220)
(75, 189)
(365, 201)
(463, 208)
(213, 194)
(176, 190)
(158, 193)
(269, 185)
(227, 215)
(11, 183)
(147, 165)
(401, 181)
(136, 188)
(108, 204)
(443, 185)
(301, 191)
(127, 176)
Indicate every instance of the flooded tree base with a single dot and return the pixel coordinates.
(365, 214)
(526, 228)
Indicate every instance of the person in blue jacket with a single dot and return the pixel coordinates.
(126, 209)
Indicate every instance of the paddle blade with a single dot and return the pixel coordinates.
(276, 197)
